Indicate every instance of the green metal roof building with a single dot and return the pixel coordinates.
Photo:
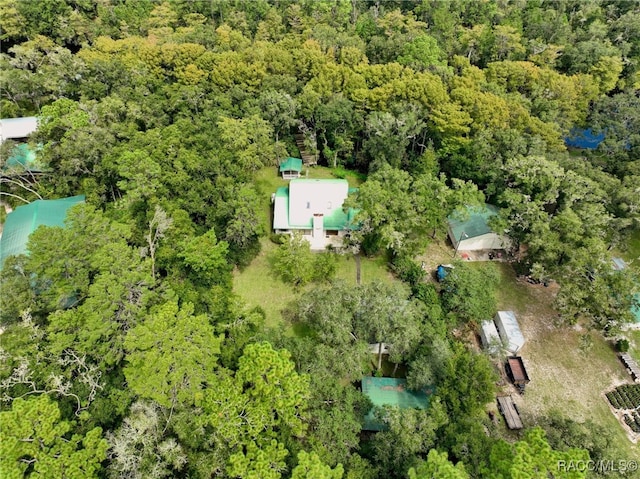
(391, 392)
(23, 158)
(291, 168)
(25, 219)
(474, 233)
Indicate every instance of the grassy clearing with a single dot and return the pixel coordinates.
(258, 287)
(563, 377)
(371, 269)
(634, 343)
(632, 254)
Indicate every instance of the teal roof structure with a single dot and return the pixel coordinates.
(391, 392)
(23, 158)
(25, 219)
(476, 224)
(291, 164)
(635, 310)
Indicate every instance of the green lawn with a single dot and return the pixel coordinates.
(258, 287)
(632, 254)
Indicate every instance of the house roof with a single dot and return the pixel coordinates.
(25, 219)
(476, 223)
(23, 158)
(635, 310)
(391, 392)
(291, 164)
(295, 205)
(17, 127)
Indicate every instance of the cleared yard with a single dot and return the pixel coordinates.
(257, 286)
(563, 377)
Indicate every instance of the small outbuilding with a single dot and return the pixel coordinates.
(291, 168)
(391, 392)
(17, 129)
(25, 219)
(490, 337)
(509, 331)
(474, 232)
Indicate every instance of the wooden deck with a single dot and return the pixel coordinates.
(631, 365)
(508, 409)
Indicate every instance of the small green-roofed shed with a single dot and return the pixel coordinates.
(391, 392)
(473, 231)
(291, 168)
(635, 310)
(25, 219)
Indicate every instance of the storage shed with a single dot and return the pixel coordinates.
(474, 233)
(22, 158)
(509, 331)
(291, 168)
(490, 337)
(25, 219)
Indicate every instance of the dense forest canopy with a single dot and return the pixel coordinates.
(127, 352)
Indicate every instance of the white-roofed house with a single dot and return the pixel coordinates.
(314, 208)
(17, 128)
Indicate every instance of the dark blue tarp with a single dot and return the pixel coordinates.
(585, 139)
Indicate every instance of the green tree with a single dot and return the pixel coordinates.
(139, 448)
(34, 442)
(295, 263)
(262, 404)
(411, 433)
(533, 457)
(171, 355)
(335, 414)
(399, 213)
(438, 466)
(310, 465)
(421, 53)
(206, 259)
(468, 292)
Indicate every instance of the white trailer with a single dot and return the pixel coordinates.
(509, 331)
